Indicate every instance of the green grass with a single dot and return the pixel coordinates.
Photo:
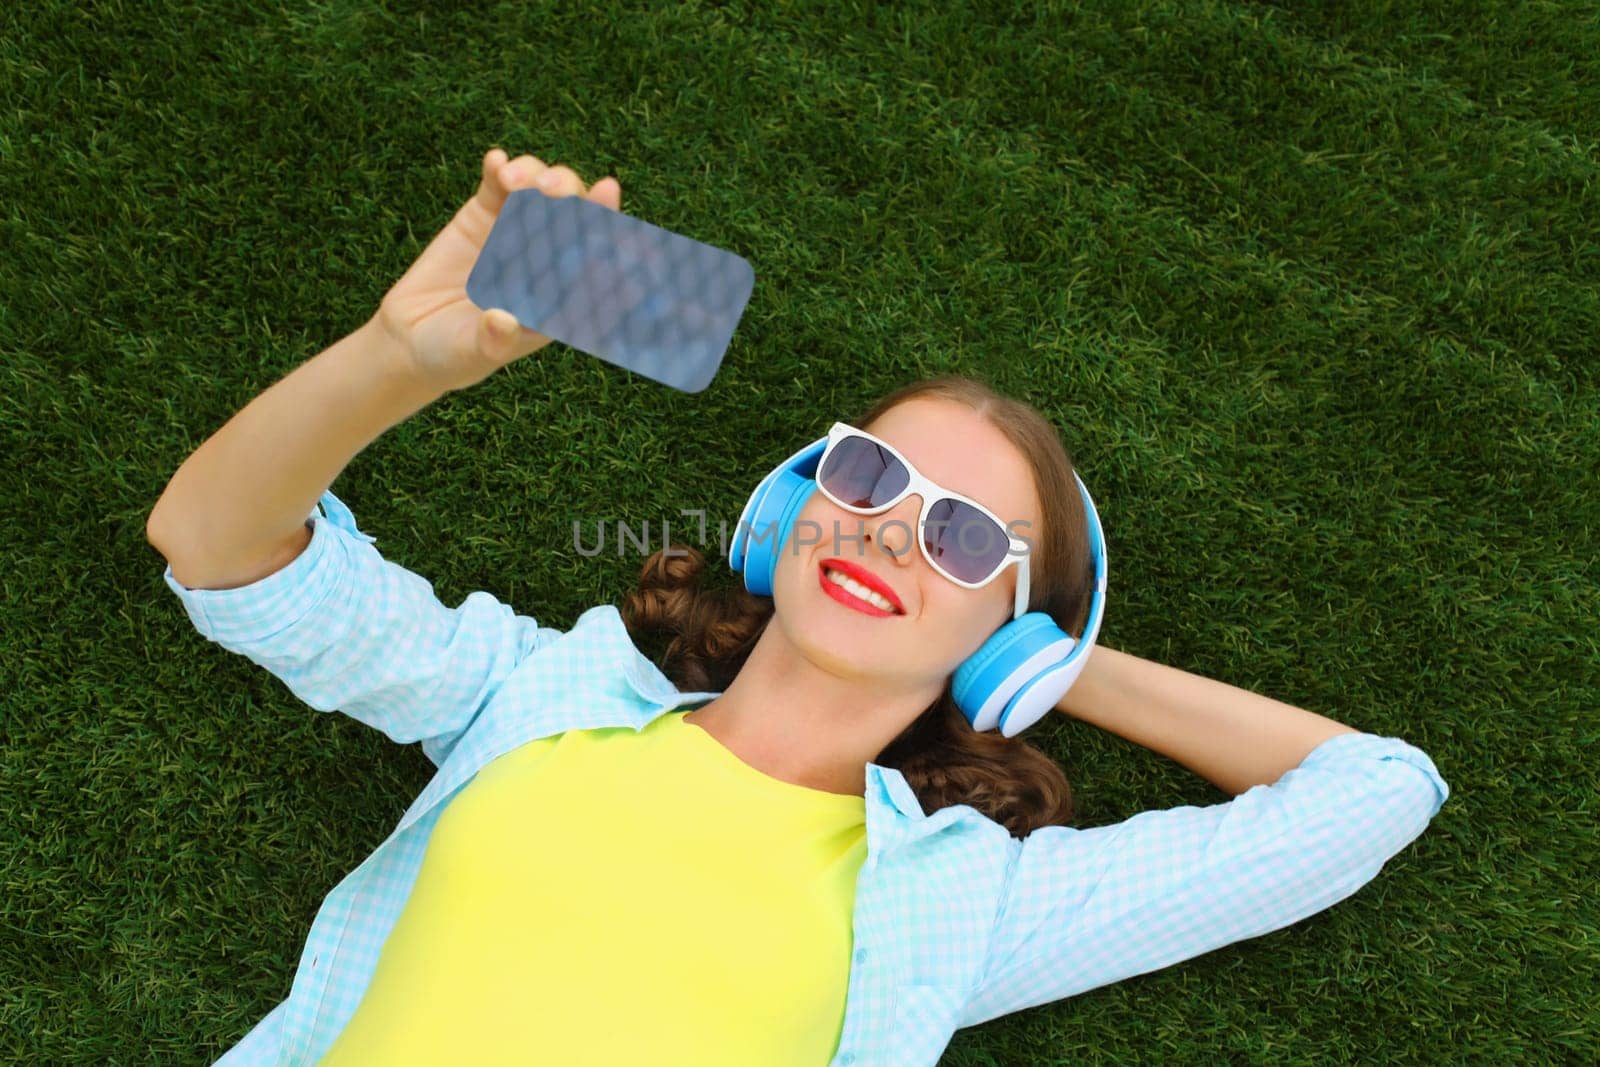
(1311, 294)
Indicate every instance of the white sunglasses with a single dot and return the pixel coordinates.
(865, 475)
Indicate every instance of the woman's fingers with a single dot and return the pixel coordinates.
(491, 193)
(558, 181)
(562, 180)
(521, 172)
(503, 176)
(607, 192)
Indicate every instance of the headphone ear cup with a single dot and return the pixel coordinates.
(769, 514)
(738, 550)
(1016, 656)
(1024, 669)
(787, 496)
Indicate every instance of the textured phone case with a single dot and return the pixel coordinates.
(618, 288)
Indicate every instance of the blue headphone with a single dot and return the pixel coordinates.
(1013, 679)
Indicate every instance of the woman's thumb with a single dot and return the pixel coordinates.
(502, 323)
(500, 328)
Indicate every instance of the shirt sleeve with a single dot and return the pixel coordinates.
(1085, 908)
(347, 630)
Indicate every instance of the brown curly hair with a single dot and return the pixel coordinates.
(711, 631)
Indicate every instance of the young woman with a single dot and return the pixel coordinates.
(793, 846)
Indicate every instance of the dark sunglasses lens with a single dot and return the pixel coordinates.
(964, 541)
(861, 474)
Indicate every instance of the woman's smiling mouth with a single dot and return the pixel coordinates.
(837, 583)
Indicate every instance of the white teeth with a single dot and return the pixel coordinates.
(876, 599)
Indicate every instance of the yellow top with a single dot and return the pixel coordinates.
(608, 896)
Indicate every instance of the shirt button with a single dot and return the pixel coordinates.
(861, 955)
(848, 1058)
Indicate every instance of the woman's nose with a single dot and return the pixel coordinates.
(895, 531)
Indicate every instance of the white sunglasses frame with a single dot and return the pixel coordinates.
(930, 493)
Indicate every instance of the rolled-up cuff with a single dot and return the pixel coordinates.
(248, 614)
(1365, 745)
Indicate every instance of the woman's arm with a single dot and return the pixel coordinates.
(1232, 737)
(235, 511)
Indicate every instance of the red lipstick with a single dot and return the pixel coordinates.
(865, 577)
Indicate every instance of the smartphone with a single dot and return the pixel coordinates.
(613, 286)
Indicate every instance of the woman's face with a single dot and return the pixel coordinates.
(941, 623)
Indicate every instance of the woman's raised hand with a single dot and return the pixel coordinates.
(450, 341)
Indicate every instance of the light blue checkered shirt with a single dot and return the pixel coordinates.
(956, 922)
